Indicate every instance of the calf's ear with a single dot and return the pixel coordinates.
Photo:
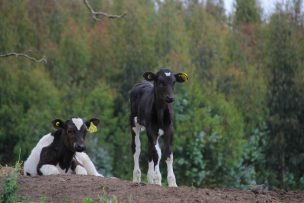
(181, 77)
(92, 125)
(57, 123)
(149, 76)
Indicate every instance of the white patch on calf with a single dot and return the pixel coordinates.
(150, 175)
(30, 165)
(78, 122)
(170, 176)
(154, 175)
(135, 120)
(160, 132)
(157, 175)
(88, 165)
(79, 170)
(48, 169)
(168, 74)
(136, 170)
(63, 171)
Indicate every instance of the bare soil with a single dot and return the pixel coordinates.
(72, 188)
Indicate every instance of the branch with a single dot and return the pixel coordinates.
(42, 60)
(98, 15)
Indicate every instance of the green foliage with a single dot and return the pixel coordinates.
(10, 187)
(285, 153)
(17, 34)
(133, 50)
(213, 146)
(100, 101)
(25, 104)
(247, 12)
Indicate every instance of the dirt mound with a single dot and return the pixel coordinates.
(64, 188)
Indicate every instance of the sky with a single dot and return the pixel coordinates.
(268, 6)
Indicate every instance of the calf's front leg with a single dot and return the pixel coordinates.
(169, 158)
(87, 164)
(170, 174)
(48, 169)
(154, 175)
(78, 168)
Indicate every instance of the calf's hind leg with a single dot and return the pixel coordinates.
(135, 131)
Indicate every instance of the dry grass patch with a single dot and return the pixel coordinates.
(6, 170)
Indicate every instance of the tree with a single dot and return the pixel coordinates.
(23, 108)
(216, 9)
(283, 149)
(247, 12)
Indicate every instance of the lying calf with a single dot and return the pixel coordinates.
(61, 152)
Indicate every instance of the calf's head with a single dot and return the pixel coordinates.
(164, 81)
(73, 132)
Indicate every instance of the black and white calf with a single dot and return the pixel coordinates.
(151, 107)
(62, 152)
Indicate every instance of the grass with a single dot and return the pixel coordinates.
(103, 199)
(10, 185)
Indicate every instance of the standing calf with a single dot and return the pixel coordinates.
(61, 152)
(151, 107)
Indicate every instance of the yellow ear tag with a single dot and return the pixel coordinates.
(57, 123)
(184, 76)
(92, 128)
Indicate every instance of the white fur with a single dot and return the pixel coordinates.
(154, 175)
(88, 165)
(63, 171)
(160, 132)
(136, 170)
(168, 74)
(30, 165)
(48, 169)
(170, 174)
(78, 122)
(157, 175)
(150, 175)
(79, 170)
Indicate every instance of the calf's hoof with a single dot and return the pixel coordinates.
(157, 179)
(80, 171)
(150, 177)
(171, 181)
(136, 176)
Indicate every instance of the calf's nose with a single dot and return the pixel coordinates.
(80, 148)
(169, 99)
